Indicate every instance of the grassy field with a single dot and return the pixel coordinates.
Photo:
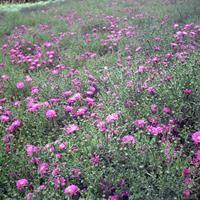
(99, 100)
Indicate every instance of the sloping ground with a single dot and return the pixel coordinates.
(100, 100)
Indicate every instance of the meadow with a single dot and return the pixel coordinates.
(100, 100)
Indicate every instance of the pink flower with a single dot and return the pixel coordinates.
(155, 130)
(151, 90)
(186, 171)
(71, 190)
(21, 183)
(95, 159)
(139, 123)
(68, 108)
(55, 172)
(20, 85)
(74, 98)
(28, 79)
(5, 77)
(75, 172)
(66, 94)
(186, 193)
(196, 137)
(30, 149)
(62, 146)
(72, 128)
(153, 108)
(28, 197)
(59, 182)
(33, 107)
(187, 91)
(4, 118)
(128, 139)
(81, 111)
(34, 90)
(15, 125)
(43, 168)
(112, 118)
(129, 83)
(114, 197)
(166, 109)
(50, 114)
(141, 69)
(90, 101)
(198, 155)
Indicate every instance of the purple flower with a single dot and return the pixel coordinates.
(112, 118)
(166, 109)
(187, 91)
(43, 168)
(72, 128)
(95, 159)
(139, 123)
(21, 183)
(30, 149)
(154, 130)
(198, 155)
(71, 190)
(59, 182)
(75, 172)
(62, 146)
(50, 114)
(20, 85)
(196, 137)
(128, 139)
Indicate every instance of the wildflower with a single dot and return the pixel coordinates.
(166, 109)
(95, 159)
(20, 85)
(153, 108)
(5, 77)
(151, 90)
(72, 128)
(114, 197)
(139, 123)
(55, 172)
(62, 146)
(50, 114)
(4, 118)
(90, 101)
(28, 79)
(75, 172)
(68, 108)
(74, 98)
(112, 118)
(71, 190)
(129, 83)
(43, 168)
(21, 183)
(33, 107)
(154, 130)
(196, 137)
(59, 182)
(28, 197)
(30, 149)
(186, 193)
(198, 155)
(186, 171)
(66, 94)
(187, 91)
(34, 90)
(128, 139)
(141, 69)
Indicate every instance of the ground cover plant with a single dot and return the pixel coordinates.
(100, 100)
